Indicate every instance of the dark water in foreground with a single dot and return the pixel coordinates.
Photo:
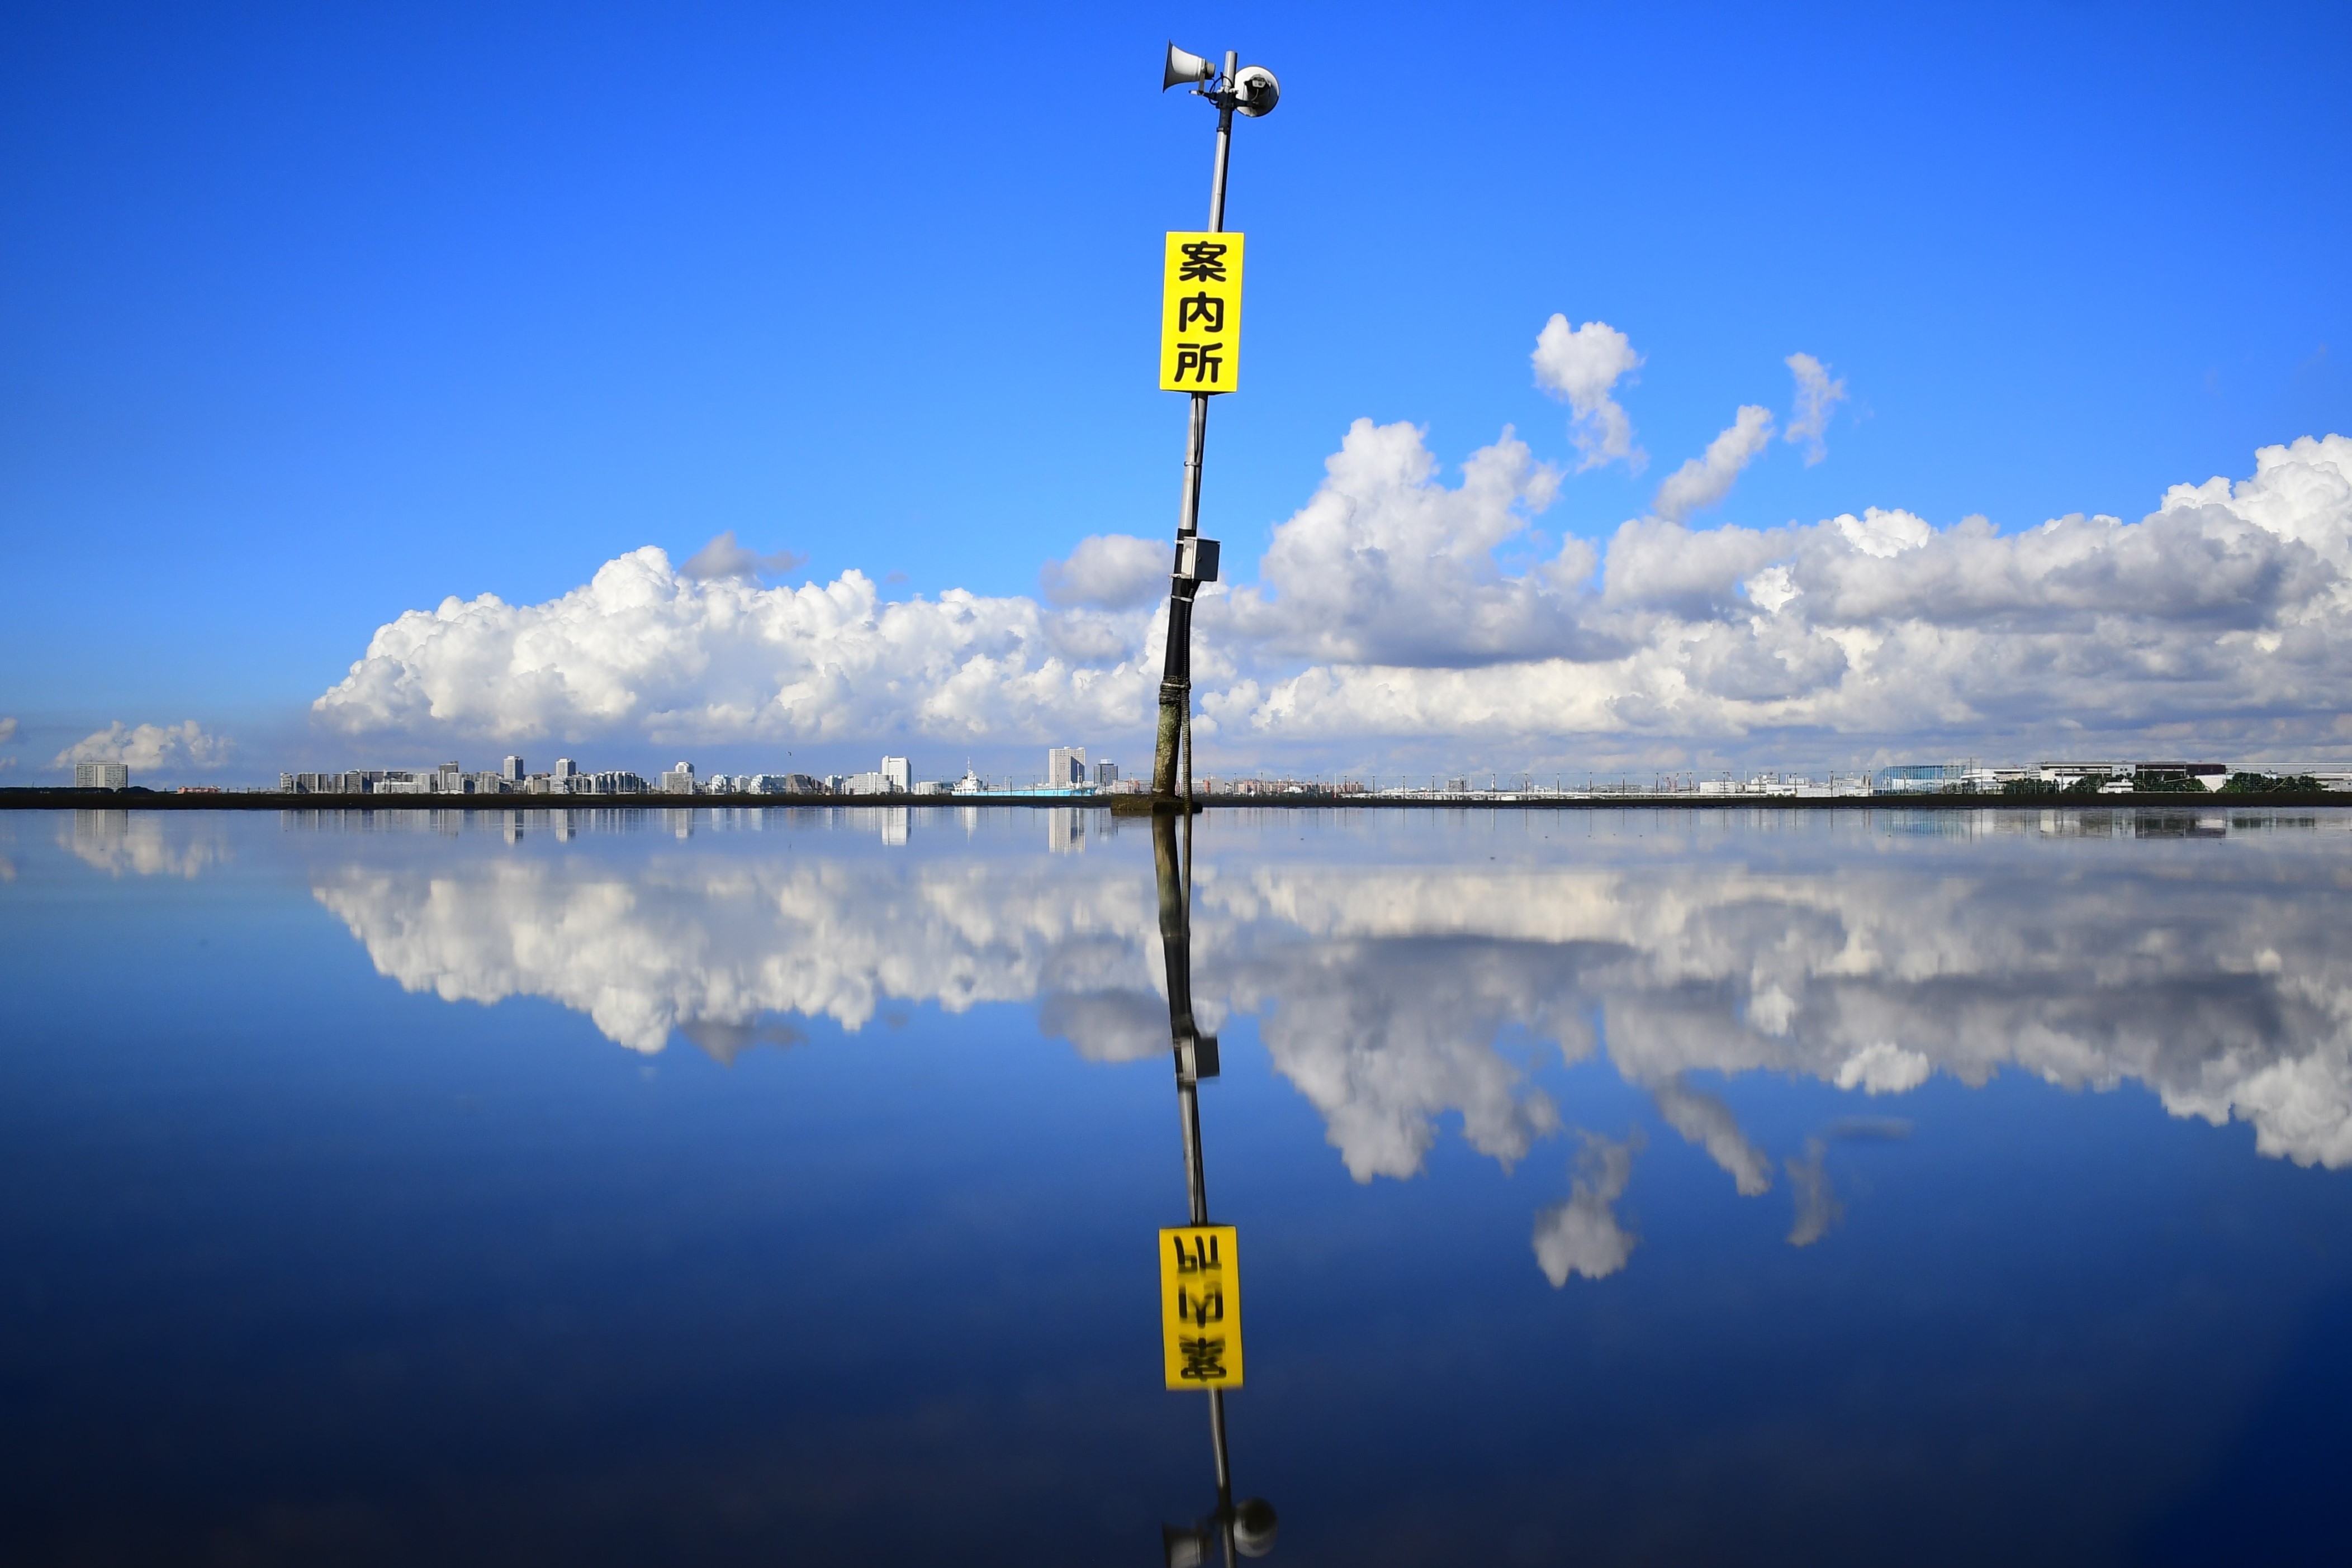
(739, 1187)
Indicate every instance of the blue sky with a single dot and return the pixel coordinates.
(309, 317)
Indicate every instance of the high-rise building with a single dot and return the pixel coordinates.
(511, 770)
(1105, 775)
(101, 775)
(1066, 766)
(611, 783)
(566, 770)
(894, 774)
(679, 780)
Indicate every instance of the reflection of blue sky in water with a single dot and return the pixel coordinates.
(1382, 968)
(289, 1218)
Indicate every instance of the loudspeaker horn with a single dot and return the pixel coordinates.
(1256, 91)
(1185, 67)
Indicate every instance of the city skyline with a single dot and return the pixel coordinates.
(1067, 773)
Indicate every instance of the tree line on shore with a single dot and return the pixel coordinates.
(2169, 784)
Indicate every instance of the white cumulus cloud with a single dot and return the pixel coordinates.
(1582, 366)
(722, 557)
(1110, 571)
(2223, 618)
(1401, 600)
(1818, 395)
(1385, 564)
(642, 647)
(1704, 480)
(149, 748)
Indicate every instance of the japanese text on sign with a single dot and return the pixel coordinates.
(1201, 313)
(1200, 1307)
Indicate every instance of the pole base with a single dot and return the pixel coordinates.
(1151, 806)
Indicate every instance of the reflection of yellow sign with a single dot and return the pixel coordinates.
(1201, 313)
(1200, 1307)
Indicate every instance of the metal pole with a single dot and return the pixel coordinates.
(1188, 797)
(1176, 669)
(1224, 141)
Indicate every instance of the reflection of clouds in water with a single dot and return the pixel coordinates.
(725, 940)
(1385, 1038)
(723, 1042)
(1707, 1121)
(2208, 972)
(1582, 1236)
(145, 843)
(1817, 1206)
(1883, 1068)
(1867, 1129)
(1107, 1026)
(2218, 983)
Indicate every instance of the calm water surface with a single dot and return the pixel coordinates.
(785, 1186)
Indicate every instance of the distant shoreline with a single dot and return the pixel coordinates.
(45, 800)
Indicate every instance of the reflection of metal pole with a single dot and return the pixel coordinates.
(1224, 1472)
(1175, 878)
(1176, 947)
(1247, 1531)
(1176, 668)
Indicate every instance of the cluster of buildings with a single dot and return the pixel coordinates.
(449, 779)
(1067, 772)
(892, 777)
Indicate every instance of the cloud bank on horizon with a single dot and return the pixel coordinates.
(1383, 611)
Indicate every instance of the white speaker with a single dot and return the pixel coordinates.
(1184, 67)
(1256, 91)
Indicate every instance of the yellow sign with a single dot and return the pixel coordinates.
(1201, 313)
(1200, 1307)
